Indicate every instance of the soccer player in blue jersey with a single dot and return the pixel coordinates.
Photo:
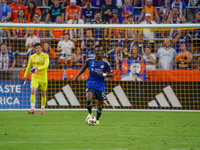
(95, 85)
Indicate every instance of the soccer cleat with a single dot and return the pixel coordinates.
(41, 112)
(32, 111)
(97, 122)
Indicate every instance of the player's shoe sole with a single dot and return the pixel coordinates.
(97, 123)
(31, 112)
(41, 112)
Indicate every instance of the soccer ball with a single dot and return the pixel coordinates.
(91, 120)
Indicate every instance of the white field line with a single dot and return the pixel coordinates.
(159, 110)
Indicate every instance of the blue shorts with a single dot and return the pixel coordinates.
(99, 95)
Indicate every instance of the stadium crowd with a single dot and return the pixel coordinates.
(164, 50)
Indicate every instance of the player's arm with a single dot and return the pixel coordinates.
(80, 72)
(28, 68)
(46, 63)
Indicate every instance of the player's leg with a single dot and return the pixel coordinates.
(33, 92)
(43, 87)
(43, 101)
(99, 110)
(89, 95)
(101, 96)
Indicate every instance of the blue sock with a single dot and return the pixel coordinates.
(99, 114)
(89, 107)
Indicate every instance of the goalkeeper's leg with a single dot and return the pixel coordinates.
(43, 101)
(33, 92)
(43, 88)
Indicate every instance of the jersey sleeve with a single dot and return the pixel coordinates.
(8, 9)
(184, 5)
(46, 63)
(28, 68)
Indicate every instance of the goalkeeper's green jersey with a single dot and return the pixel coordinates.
(41, 62)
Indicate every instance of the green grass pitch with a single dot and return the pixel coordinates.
(118, 130)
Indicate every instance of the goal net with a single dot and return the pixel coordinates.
(154, 66)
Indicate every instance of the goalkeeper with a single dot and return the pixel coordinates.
(38, 64)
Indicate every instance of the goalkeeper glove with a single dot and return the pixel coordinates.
(34, 70)
(24, 81)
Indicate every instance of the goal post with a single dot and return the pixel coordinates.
(168, 56)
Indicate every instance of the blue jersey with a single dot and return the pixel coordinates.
(94, 80)
(88, 14)
(4, 9)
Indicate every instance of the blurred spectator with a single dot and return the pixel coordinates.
(183, 58)
(114, 19)
(4, 33)
(118, 3)
(31, 11)
(106, 10)
(77, 60)
(25, 2)
(95, 3)
(164, 11)
(5, 11)
(138, 42)
(181, 7)
(149, 33)
(76, 33)
(182, 36)
(52, 55)
(15, 7)
(19, 33)
(129, 33)
(97, 32)
(196, 32)
(55, 10)
(135, 54)
(149, 8)
(150, 59)
(114, 33)
(115, 56)
(31, 40)
(191, 12)
(57, 33)
(20, 19)
(88, 13)
(88, 44)
(7, 62)
(175, 17)
(138, 3)
(127, 10)
(197, 20)
(65, 48)
(166, 56)
(70, 10)
(37, 32)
